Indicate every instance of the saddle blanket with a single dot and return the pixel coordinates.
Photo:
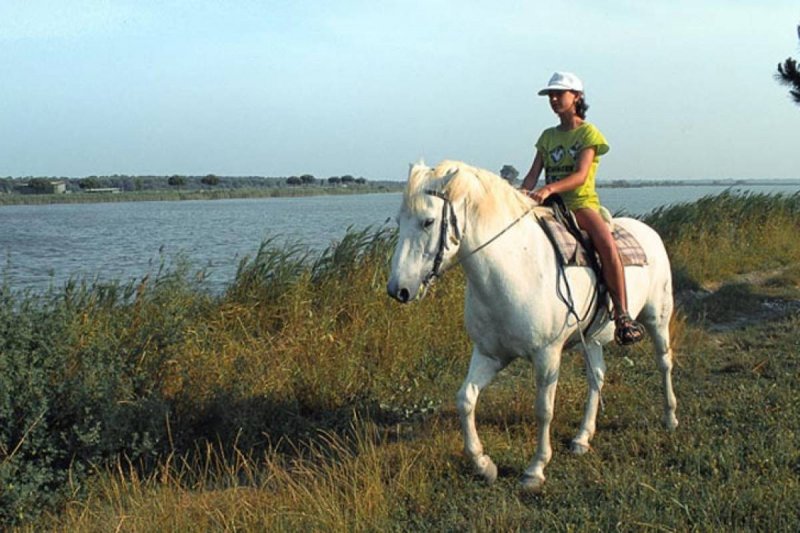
(573, 254)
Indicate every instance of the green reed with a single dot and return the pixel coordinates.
(720, 236)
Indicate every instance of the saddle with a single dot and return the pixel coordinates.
(573, 245)
(573, 248)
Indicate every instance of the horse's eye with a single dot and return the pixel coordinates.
(427, 223)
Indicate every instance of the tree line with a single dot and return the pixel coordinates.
(154, 183)
(128, 183)
(307, 179)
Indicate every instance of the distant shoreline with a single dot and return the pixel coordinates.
(615, 184)
(290, 192)
(163, 195)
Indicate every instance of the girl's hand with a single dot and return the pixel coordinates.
(540, 195)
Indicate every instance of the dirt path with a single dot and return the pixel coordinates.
(743, 300)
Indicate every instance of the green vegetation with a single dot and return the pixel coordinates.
(176, 181)
(720, 236)
(152, 188)
(304, 399)
(509, 173)
(184, 194)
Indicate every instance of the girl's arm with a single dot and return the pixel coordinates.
(570, 182)
(533, 174)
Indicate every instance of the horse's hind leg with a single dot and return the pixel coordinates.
(658, 328)
(595, 374)
(482, 371)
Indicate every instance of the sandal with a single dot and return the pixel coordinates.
(627, 331)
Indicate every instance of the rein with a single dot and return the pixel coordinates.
(449, 217)
(599, 295)
(490, 241)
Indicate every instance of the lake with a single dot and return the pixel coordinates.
(45, 245)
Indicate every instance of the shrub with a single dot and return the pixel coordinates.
(80, 383)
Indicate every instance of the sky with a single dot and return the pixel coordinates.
(681, 89)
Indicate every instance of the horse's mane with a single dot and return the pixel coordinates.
(488, 194)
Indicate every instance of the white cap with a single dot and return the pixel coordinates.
(563, 81)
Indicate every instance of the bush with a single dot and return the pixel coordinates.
(80, 384)
(95, 372)
(211, 180)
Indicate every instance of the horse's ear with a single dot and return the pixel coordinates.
(411, 166)
(447, 178)
(420, 163)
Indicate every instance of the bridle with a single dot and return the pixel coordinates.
(449, 218)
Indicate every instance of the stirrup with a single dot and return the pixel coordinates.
(627, 330)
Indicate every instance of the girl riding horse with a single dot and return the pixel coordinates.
(569, 153)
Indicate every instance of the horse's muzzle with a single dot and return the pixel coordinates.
(401, 295)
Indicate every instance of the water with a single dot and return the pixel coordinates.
(45, 245)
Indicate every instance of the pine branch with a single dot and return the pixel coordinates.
(789, 75)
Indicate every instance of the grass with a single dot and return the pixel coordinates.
(303, 399)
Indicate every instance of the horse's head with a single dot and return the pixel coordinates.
(429, 232)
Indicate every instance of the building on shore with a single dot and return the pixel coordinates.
(103, 190)
(42, 186)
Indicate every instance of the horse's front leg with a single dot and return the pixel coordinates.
(547, 364)
(482, 371)
(595, 373)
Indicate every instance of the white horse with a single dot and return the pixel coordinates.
(458, 213)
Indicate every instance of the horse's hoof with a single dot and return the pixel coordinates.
(579, 448)
(670, 422)
(531, 484)
(488, 472)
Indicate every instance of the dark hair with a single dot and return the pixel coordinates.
(581, 107)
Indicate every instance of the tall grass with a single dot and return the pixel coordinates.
(719, 236)
(303, 398)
